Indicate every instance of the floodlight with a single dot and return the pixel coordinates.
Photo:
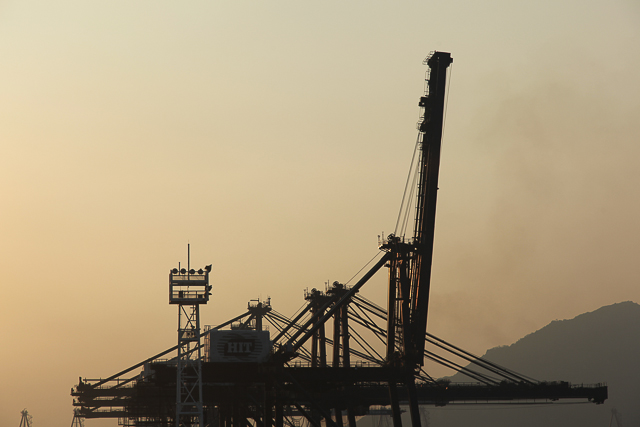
(183, 270)
(208, 268)
(192, 271)
(174, 271)
(200, 271)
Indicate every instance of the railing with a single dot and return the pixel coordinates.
(120, 382)
(186, 334)
(188, 278)
(165, 361)
(541, 383)
(356, 364)
(195, 295)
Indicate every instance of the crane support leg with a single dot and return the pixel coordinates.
(414, 409)
(279, 414)
(267, 419)
(338, 415)
(395, 404)
(351, 416)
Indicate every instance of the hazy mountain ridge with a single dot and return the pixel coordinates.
(599, 346)
(587, 348)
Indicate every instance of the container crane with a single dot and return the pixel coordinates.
(247, 374)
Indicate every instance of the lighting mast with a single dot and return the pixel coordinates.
(26, 419)
(189, 289)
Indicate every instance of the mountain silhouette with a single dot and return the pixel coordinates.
(602, 346)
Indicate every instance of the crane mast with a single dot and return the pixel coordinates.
(431, 142)
(410, 262)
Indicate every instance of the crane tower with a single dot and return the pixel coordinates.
(189, 289)
(26, 419)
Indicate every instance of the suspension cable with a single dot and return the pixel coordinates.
(365, 266)
(406, 185)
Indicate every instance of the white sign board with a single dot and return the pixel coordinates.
(247, 346)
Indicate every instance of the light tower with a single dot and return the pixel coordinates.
(77, 420)
(188, 289)
(26, 419)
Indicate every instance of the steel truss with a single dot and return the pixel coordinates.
(290, 386)
(189, 368)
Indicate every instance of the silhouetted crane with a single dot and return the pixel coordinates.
(26, 419)
(341, 354)
(615, 415)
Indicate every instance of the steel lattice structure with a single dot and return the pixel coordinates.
(189, 289)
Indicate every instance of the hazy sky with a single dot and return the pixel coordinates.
(275, 137)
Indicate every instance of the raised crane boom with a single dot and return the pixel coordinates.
(431, 142)
(410, 262)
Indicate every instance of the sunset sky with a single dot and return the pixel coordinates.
(275, 137)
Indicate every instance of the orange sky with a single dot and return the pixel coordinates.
(275, 137)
